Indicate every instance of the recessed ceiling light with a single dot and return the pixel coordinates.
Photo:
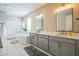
(7, 6)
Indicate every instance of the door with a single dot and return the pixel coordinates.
(53, 47)
(67, 49)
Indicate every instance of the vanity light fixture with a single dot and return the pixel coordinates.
(63, 4)
(68, 5)
(63, 7)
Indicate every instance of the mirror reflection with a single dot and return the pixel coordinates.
(64, 20)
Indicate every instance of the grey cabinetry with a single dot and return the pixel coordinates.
(67, 49)
(33, 40)
(61, 46)
(54, 47)
(77, 47)
(43, 42)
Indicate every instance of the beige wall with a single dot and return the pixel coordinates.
(75, 15)
(49, 16)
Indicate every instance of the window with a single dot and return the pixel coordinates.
(29, 24)
(39, 23)
(23, 25)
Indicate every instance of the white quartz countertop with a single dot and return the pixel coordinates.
(76, 36)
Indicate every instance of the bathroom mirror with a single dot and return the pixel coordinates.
(39, 23)
(64, 20)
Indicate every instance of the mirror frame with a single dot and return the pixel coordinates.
(40, 18)
(72, 21)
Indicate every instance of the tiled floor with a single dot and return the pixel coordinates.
(11, 49)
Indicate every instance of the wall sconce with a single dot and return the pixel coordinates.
(41, 15)
(63, 4)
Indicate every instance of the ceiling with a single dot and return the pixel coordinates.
(19, 9)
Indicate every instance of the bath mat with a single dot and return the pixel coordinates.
(32, 51)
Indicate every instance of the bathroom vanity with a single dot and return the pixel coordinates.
(58, 44)
(55, 44)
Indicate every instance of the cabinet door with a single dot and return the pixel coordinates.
(35, 39)
(77, 47)
(53, 47)
(67, 49)
(43, 44)
(31, 38)
(43, 40)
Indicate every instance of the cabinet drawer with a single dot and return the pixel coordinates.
(35, 43)
(42, 36)
(35, 38)
(43, 47)
(31, 42)
(53, 47)
(66, 40)
(33, 34)
(42, 40)
(55, 38)
(31, 37)
(70, 41)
